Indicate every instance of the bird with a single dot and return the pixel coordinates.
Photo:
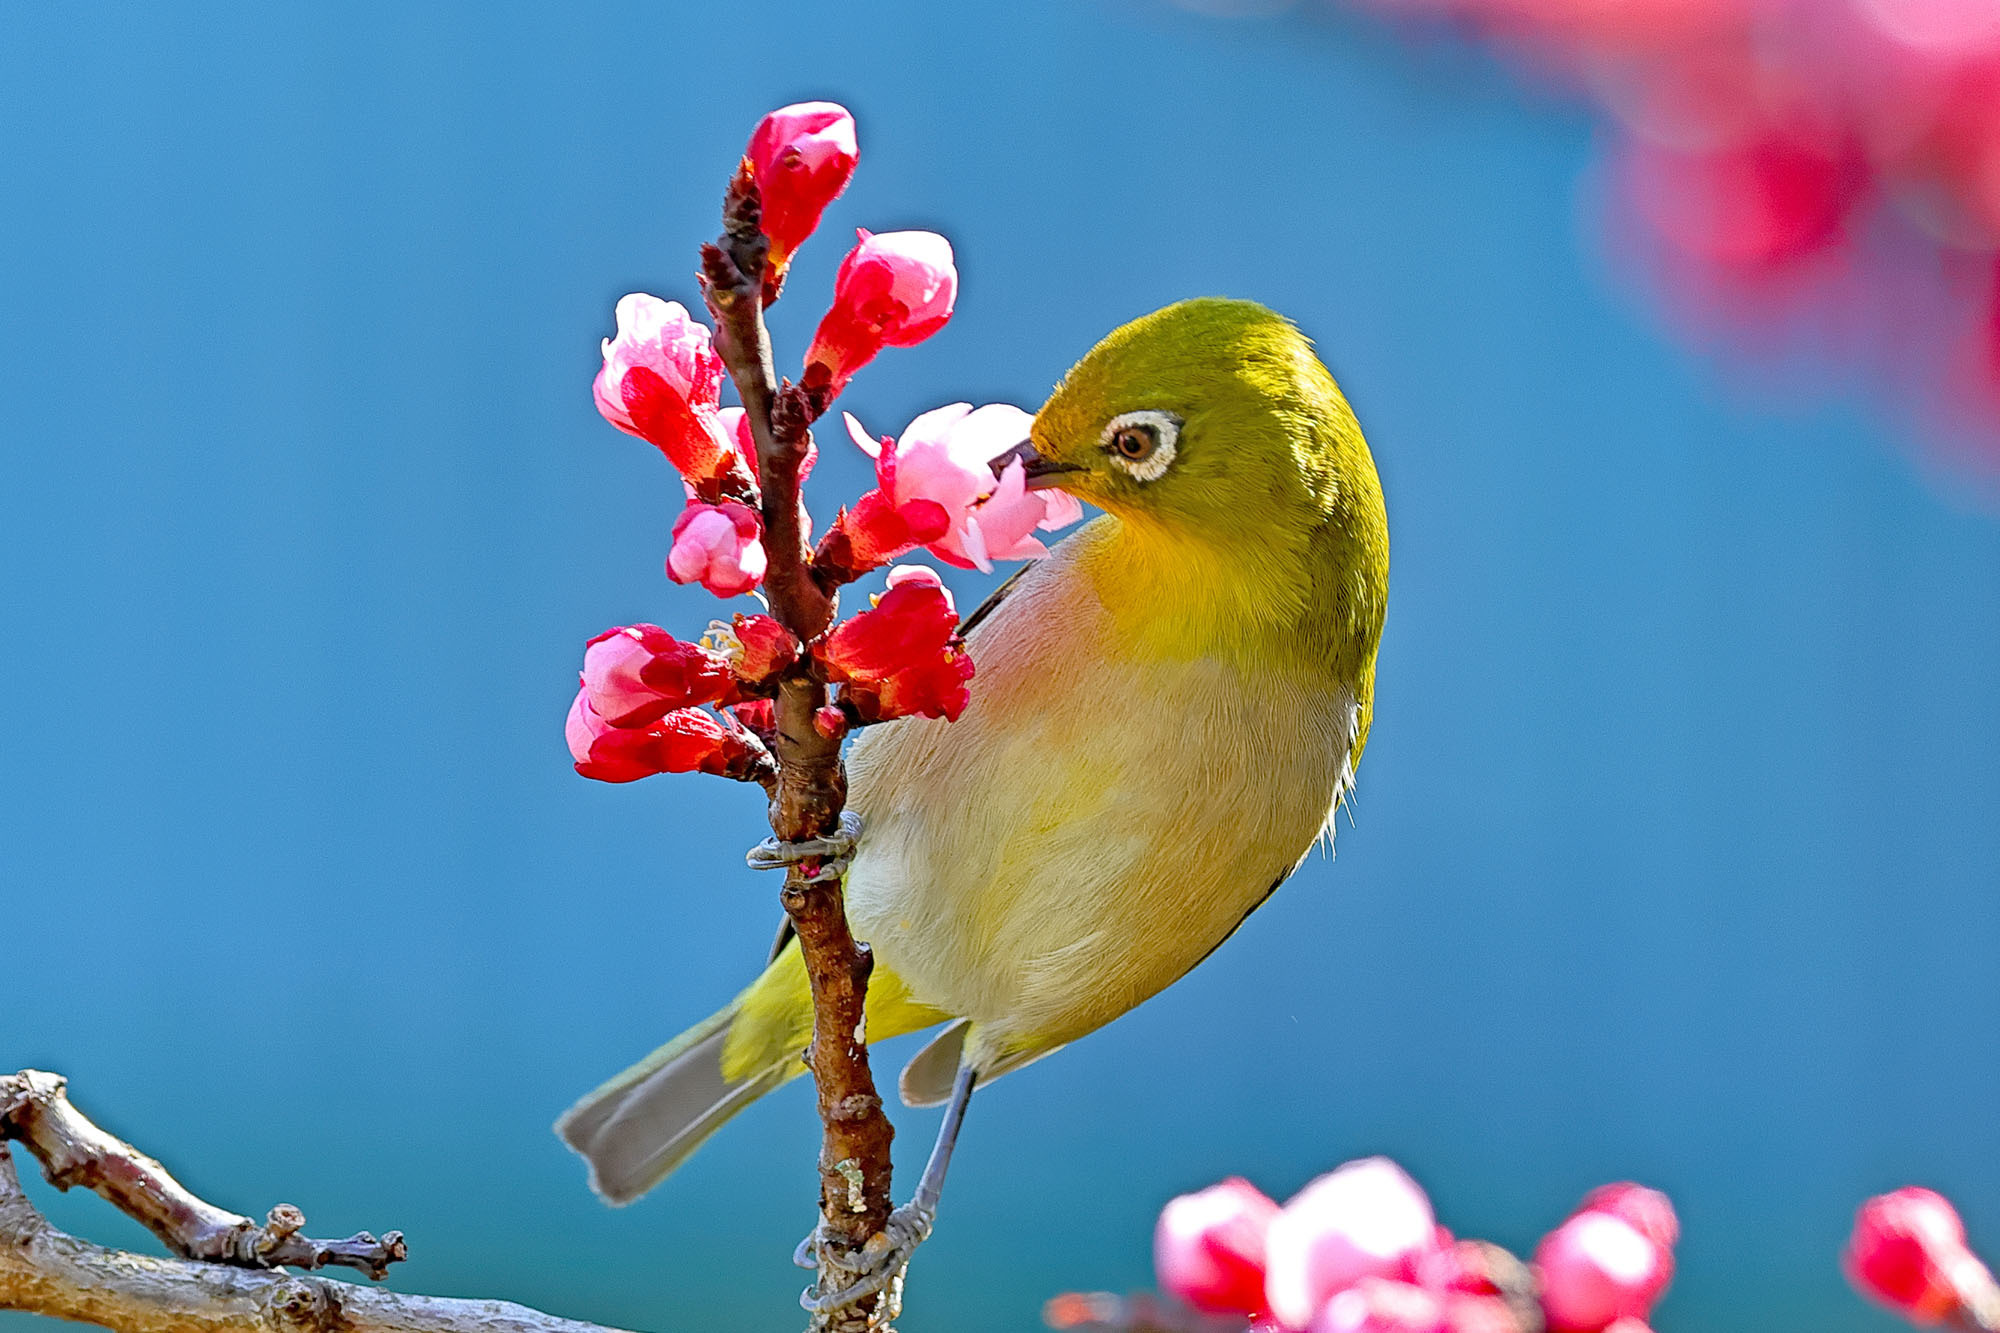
(1167, 711)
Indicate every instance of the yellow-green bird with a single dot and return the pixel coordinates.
(1167, 711)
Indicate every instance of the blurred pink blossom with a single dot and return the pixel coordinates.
(1908, 1251)
(1381, 1305)
(1366, 1219)
(1208, 1247)
(1597, 1268)
(1787, 174)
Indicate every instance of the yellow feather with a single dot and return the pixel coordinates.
(774, 1017)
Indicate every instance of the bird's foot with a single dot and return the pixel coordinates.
(878, 1266)
(833, 852)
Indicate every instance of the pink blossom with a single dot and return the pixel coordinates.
(637, 673)
(1381, 1305)
(1366, 1219)
(1908, 1251)
(661, 381)
(1597, 1268)
(892, 290)
(719, 547)
(686, 741)
(940, 471)
(1208, 1247)
(803, 156)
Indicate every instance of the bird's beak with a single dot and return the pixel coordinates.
(1040, 473)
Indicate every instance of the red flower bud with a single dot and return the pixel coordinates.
(934, 688)
(637, 673)
(912, 622)
(661, 380)
(902, 659)
(759, 715)
(803, 156)
(686, 741)
(1908, 1251)
(892, 290)
(763, 648)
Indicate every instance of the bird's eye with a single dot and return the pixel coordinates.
(1135, 442)
(1143, 443)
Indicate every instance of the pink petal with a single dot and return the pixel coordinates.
(867, 443)
(1060, 509)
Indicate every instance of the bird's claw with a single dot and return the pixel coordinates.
(833, 852)
(875, 1269)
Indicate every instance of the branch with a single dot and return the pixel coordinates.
(73, 1151)
(45, 1271)
(811, 789)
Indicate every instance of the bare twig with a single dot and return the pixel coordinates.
(35, 1111)
(46, 1271)
(812, 784)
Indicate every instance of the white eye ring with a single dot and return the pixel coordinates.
(1164, 427)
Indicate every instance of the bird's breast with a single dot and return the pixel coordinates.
(1094, 824)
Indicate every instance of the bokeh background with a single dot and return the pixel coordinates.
(1675, 852)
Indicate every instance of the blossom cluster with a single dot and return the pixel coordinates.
(1823, 173)
(1359, 1251)
(650, 703)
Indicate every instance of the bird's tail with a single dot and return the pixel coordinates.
(637, 1128)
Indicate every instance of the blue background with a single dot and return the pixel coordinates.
(1674, 857)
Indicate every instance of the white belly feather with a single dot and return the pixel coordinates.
(1091, 827)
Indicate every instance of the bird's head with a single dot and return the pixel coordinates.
(1202, 419)
(1247, 499)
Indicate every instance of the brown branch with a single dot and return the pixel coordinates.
(811, 789)
(35, 1111)
(46, 1271)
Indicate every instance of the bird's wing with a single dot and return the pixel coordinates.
(966, 626)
